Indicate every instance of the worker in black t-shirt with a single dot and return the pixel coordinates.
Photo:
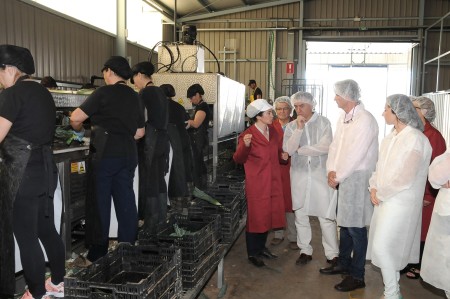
(198, 132)
(156, 147)
(28, 179)
(117, 120)
(181, 169)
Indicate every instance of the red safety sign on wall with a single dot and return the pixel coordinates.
(289, 67)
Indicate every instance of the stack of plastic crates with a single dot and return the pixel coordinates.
(198, 247)
(236, 183)
(129, 272)
(229, 211)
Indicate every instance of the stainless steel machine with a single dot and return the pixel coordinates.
(226, 96)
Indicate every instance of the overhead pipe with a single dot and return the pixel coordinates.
(328, 28)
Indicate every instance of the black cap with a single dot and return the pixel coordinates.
(168, 89)
(251, 82)
(144, 67)
(16, 56)
(194, 89)
(118, 65)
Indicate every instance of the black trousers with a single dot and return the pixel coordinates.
(256, 242)
(33, 220)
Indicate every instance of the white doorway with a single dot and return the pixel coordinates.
(381, 69)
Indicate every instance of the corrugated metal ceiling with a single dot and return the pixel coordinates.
(204, 8)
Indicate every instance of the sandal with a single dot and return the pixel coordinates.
(413, 273)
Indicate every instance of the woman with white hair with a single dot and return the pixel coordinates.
(283, 109)
(307, 140)
(397, 194)
(426, 111)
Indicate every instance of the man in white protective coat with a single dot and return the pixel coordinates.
(394, 237)
(436, 256)
(351, 160)
(307, 140)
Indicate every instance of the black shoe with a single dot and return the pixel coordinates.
(333, 262)
(265, 253)
(256, 261)
(332, 270)
(303, 259)
(349, 283)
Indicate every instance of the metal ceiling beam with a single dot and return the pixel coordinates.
(205, 5)
(166, 12)
(236, 10)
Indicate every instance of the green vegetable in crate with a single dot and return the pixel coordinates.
(179, 231)
(202, 195)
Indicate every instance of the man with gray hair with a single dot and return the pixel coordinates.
(307, 140)
(351, 160)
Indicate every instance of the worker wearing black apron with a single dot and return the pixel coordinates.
(28, 178)
(116, 122)
(198, 132)
(156, 148)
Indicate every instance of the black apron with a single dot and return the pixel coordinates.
(14, 156)
(93, 231)
(177, 179)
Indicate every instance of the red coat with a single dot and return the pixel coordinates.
(285, 172)
(438, 147)
(263, 187)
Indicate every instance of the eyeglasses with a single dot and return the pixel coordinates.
(284, 109)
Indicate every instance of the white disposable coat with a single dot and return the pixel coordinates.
(353, 154)
(400, 177)
(436, 256)
(308, 148)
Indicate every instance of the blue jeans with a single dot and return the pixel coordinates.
(114, 178)
(353, 239)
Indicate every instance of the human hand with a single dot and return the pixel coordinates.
(284, 156)
(373, 197)
(300, 122)
(247, 139)
(332, 179)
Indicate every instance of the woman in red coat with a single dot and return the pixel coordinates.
(426, 111)
(260, 150)
(283, 109)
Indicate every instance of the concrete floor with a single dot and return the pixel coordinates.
(282, 279)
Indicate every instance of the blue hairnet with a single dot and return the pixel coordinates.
(426, 106)
(282, 99)
(402, 106)
(348, 89)
(303, 97)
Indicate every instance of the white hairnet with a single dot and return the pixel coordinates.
(402, 106)
(426, 106)
(303, 97)
(282, 99)
(348, 89)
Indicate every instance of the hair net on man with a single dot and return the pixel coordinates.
(426, 107)
(348, 89)
(282, 99)
(303, 97)
(402, 106)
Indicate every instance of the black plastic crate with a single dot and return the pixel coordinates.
(205, 230)
(128, 272)
(192, 272)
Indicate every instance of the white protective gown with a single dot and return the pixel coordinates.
(353, 155)
(308, 148)
(436, 256)
(400, 177)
